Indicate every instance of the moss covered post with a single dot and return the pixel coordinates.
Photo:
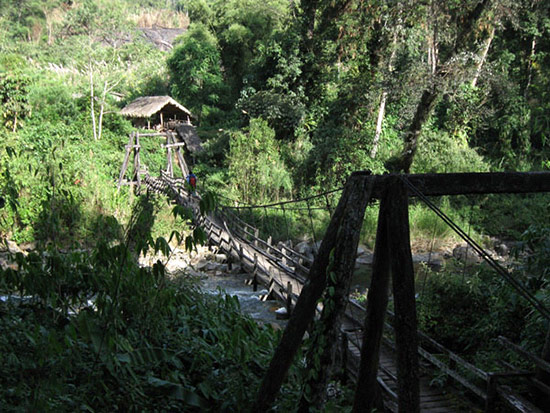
(336, 256)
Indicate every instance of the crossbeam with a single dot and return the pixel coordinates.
(468, 183)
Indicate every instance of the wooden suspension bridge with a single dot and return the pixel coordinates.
(379, 350)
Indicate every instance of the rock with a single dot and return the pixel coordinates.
(434, 260)
(281, 310)
(502, 250)
(221, 258)
(28, 246)
(303, 248)
(361, 249)
(13, 247)
(197, 274)
(467, 254)
(365, 259)
(281, 314)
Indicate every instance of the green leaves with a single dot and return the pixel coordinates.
(257, 170)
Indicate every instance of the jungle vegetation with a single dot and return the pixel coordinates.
(289, 98)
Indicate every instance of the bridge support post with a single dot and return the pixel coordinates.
(335, 260)
(392, 251)
(406, 339)
(367, 392)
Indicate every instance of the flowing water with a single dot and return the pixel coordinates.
(251, 304)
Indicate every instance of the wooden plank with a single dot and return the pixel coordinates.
(172, 145)
(467, 183)
(158, 134)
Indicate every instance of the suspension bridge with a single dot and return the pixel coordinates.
(375, 346)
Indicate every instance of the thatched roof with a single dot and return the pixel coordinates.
(147, 106)
(189, 135)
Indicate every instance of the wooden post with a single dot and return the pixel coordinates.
(335, 239)
(289, 298)
(324, 341)
(301, 317)
(256, 236)
(406, 339)
(255, 272)
(169, 166)
(283, 251)
(241, 257)
(137, 161)
(367, 393)
(491, 393)
(129, 149)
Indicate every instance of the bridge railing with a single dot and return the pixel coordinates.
(285, 270)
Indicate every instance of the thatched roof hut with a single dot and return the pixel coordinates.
(159, 109)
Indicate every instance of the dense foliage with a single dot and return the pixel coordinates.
(289, 98)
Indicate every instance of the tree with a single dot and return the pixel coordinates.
(14, 88)
(196, 71)
(256, 169)
(434, 89)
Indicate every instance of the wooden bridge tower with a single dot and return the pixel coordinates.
(172, 146)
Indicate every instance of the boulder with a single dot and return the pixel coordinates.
(365, 259)
(303, 248)
(466, 254)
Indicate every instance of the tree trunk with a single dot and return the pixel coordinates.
(379, 122)
(483, 56)
(423, 111)
(92, 98)
(530, 67)
(321, 354)
(101, 110)
(382, 107)
(433, 92)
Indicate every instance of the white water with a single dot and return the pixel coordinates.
(251, 304)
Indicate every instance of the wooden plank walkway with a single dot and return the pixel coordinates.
(284, 272)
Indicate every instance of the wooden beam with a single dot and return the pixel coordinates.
(320, 357)
(367, 393)
(173, 145)
(467, 183)
(405, 322)
(155, 134)
(540, 363)
(303, 314)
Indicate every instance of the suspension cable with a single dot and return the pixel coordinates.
(276, 204)
(482, 253)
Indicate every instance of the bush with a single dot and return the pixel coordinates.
(257, 172)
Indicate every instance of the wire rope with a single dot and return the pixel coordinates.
(316, 248)
(481, 252)
(274, 204)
